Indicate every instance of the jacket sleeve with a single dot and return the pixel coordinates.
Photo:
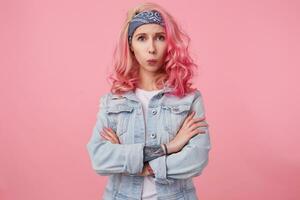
(193, 157)
(108, 158)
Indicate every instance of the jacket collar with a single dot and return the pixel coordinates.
(132, 96)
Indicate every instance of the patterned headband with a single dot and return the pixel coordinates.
(145, 17)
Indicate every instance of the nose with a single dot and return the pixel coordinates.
(152, 49)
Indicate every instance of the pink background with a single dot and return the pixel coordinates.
(55, 56)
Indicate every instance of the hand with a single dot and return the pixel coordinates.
(188, 129)
(110, 135)
(145, 171)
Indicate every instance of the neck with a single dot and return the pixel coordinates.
(147, 80)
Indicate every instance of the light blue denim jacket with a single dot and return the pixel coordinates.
(122, 162)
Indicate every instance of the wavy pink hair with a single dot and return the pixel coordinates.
(178, 62)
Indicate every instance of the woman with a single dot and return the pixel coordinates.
(150, 137)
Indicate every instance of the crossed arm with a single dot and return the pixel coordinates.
(149, 152)
(152, 152)
(108, 158)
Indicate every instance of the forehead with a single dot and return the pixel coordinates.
(149, 29)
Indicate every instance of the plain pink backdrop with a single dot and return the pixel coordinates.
(55, 56)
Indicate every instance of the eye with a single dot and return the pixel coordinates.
(141, 38)
(161, 37)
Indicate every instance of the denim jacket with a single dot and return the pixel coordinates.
(122, 162)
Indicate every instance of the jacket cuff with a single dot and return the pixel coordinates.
(159, 168)
(134, 158)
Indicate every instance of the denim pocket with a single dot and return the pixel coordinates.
(118, 117)
(174, 116)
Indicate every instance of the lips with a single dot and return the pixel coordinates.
(152, 60)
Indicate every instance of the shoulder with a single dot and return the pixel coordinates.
(188, 97)
(104, 99)
(196, 93)
(178, 104)
(110, 99)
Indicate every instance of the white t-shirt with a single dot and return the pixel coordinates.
(149, 190)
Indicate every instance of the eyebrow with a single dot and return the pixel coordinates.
(158, 33)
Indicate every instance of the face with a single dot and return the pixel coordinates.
(149, 43)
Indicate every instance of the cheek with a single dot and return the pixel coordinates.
(138, 53)
(138, 56)
(163, 48)
(163, 52)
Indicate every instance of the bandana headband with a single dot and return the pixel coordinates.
(146, 17)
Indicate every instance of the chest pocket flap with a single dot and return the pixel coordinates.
(176, 109)
(174, 116)
(118, 116)
(119, 108)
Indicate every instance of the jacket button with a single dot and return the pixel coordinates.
(153, 135)
(154, 112)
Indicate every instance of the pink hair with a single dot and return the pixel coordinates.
(178, 62)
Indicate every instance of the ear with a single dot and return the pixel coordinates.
(131, 49)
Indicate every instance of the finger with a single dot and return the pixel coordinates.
(115, 134)
(190, 123)
(196, 132)
(198, 119)
(199, 124)
(191, 119)
(101, 135)
(102, 131)
(112, 135)
(195, 120)
(109, 131)
(188, 118)
(109, 138)
(105, 136)
(112, 140)
(105, 133)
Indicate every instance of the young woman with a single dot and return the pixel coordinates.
(150, 137)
